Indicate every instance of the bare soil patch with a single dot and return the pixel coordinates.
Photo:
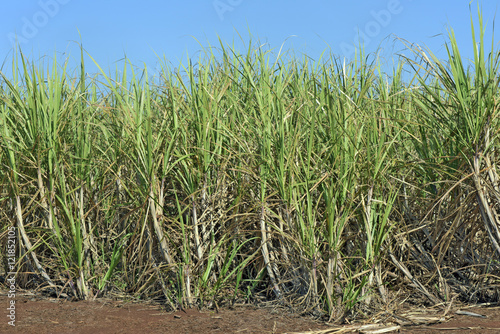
(35, 314)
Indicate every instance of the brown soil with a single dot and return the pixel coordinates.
(37, 315)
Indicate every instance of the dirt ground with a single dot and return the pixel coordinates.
(41, 315)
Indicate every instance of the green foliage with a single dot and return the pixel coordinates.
(240, 173)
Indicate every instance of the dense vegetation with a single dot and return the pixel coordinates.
(330, 186)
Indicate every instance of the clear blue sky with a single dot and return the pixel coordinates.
(110, 28)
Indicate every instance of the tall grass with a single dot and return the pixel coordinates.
(327, 185)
